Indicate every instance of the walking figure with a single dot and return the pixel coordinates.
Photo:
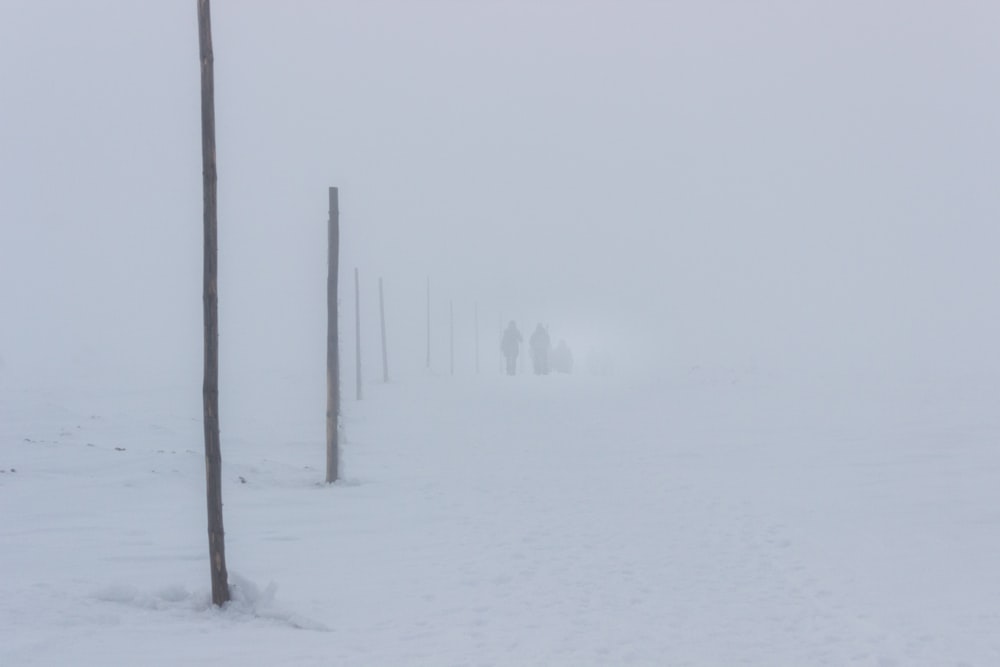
(540, 345)
(510, 344)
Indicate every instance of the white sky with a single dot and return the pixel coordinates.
(794, 184)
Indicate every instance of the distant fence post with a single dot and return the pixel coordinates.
(357, 331)
(381, 317)
(428, 322)
(332, 342)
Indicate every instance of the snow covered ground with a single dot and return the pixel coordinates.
(709, 517)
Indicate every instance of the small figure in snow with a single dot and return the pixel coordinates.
(510, 344)
(540, 345)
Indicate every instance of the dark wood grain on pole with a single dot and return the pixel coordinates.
(332, 341)
(210, 386)
(385, 347)
(357, 332)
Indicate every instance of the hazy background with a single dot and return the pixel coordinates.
(797, 185)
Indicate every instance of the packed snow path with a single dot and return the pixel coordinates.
(702, 519)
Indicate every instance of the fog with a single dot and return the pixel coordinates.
(792, 185)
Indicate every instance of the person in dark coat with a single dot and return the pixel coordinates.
(510, 344)
(540, 345)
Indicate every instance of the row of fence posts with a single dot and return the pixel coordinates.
(333, 337)
(333, 334)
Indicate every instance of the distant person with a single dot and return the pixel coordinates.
(510, 345)
(540, 345)
(562, 358)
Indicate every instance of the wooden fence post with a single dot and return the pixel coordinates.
(210, 299)
(428, 322)
(332, 342)
(381, 317)
(357, 331)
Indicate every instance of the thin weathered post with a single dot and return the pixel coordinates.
(332, 341)
(381, 317)
(210, 298)
(357, 331)
(451, 334)
(428, 322)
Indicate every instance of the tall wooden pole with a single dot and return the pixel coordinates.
(210, 298)
(357, 331)
(428, 322)
(381, 317)
(332, 342)
(477, 338)
(451, 335)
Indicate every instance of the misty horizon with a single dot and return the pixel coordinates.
(780, 186)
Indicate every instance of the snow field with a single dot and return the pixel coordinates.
(706, 518)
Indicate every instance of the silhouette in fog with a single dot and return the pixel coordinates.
(562, 358)
(540, 345)
(510, 345)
